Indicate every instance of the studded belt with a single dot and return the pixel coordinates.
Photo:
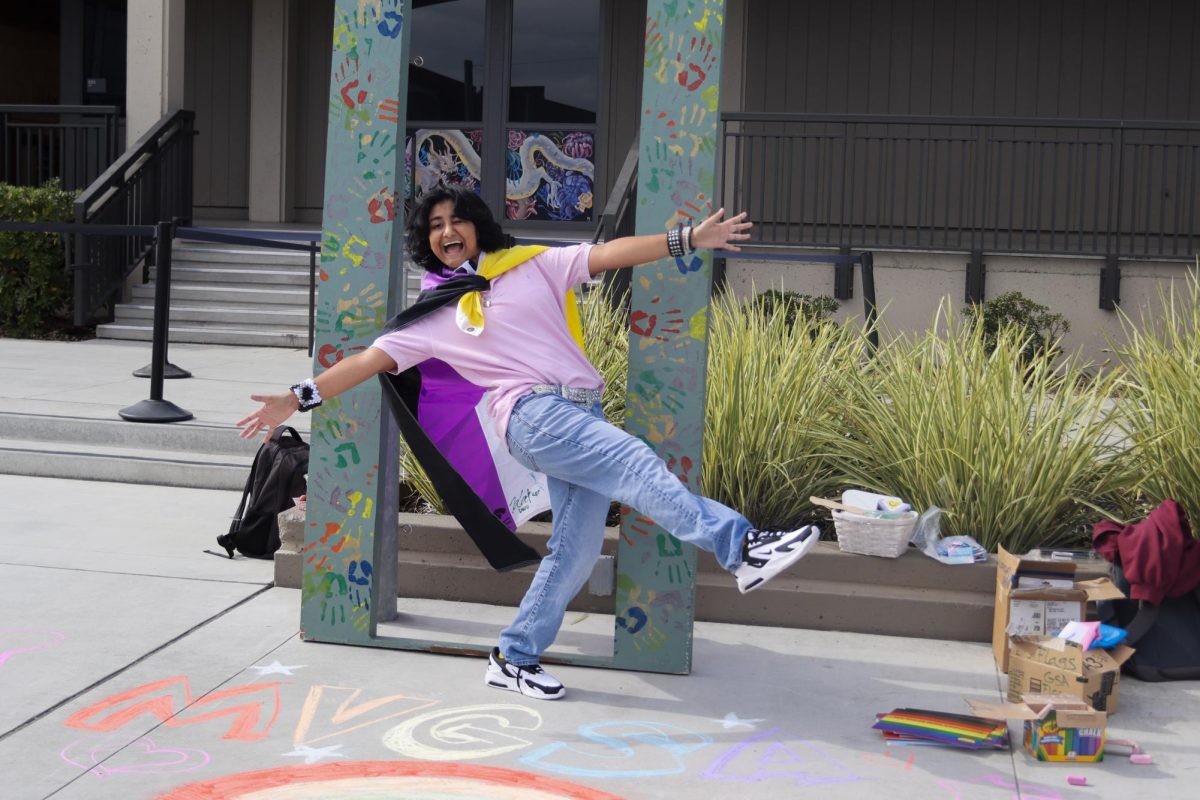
(569, 392)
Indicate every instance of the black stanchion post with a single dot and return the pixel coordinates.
(867, 259)
(156, 409)
(162, 299)
(312, 292)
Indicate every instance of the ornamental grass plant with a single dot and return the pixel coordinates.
(1016, 446)
(606, 343)
(1160, 399)
(775, 403)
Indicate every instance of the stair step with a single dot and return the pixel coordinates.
(121, 464)
(259, 276)
(239, 294)
(237, 255)
(224, 315)
(267, 336)
(177, 440)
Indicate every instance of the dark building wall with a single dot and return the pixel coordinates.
(1123, 59)
(29, 44)
(217, 88)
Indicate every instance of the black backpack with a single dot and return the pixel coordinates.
(276, 478)
(1166, 636)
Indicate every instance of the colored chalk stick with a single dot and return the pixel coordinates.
(1077, 780)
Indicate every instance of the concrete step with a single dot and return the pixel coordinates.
(829, 590)
(173, 440)
(225, 315)
(207, 293)
(122, 465)
(197, 255)
(196, 333)
(267, 276)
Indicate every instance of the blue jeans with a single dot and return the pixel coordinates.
(587, 461)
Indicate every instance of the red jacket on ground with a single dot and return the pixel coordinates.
(1159, 556)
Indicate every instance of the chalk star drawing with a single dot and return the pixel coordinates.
(312, 755)
(732, 720)
(275, 668)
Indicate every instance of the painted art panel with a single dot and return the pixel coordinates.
(668, 344)
(360, 237)
(550, 175)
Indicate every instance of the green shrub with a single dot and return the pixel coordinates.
(1018, 450)
(1040, 329)
(811, 310)
(35, 286)
(1160, 401)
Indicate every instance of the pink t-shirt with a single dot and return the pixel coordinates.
(525, 340)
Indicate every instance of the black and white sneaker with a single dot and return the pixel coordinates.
(765, 554)
(531, 681)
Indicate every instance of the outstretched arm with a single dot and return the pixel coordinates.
(629, 251)
(342, 376)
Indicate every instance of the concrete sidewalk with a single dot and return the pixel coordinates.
(93, 380)
(135, 665)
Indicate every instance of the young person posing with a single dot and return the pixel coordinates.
(544, 399)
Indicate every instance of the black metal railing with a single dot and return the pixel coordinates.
(1120, 189)
(619, 218)
(151, 181)
(72, 143)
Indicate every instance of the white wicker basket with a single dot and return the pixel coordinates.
(871, 536)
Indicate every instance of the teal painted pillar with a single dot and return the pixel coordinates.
(668, 341)
(353, 463)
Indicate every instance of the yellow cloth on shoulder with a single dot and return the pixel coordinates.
(469, 314)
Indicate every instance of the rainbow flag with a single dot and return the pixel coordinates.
(921, 726)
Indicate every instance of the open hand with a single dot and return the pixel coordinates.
(275, 410)
(715, 234)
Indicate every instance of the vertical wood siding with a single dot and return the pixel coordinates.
(312, 112)
(1124, 59)
(217, 88)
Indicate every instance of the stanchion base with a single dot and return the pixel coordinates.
(155, 411)
(169, 371)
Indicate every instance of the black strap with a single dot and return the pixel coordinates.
(500, 546)
(431, 300)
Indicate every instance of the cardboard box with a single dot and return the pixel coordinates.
(1057, 727)
(1047, 665)
(1033, 596)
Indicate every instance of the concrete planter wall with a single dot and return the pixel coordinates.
(830, 590)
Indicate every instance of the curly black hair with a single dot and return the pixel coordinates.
(467, 206)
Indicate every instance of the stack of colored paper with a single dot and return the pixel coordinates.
(916, 726)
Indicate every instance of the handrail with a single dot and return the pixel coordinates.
(73, 147)
(1000, 122)
(621, 197)
(17, 108)
(151, 181)
(1100, 188)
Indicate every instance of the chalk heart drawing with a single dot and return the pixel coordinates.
(464, 733)
(620, 749)
(116, 755)
(372, 780)
(19, 641)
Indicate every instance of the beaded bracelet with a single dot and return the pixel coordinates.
(308, 394)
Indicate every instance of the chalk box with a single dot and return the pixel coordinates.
(1057, 727)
